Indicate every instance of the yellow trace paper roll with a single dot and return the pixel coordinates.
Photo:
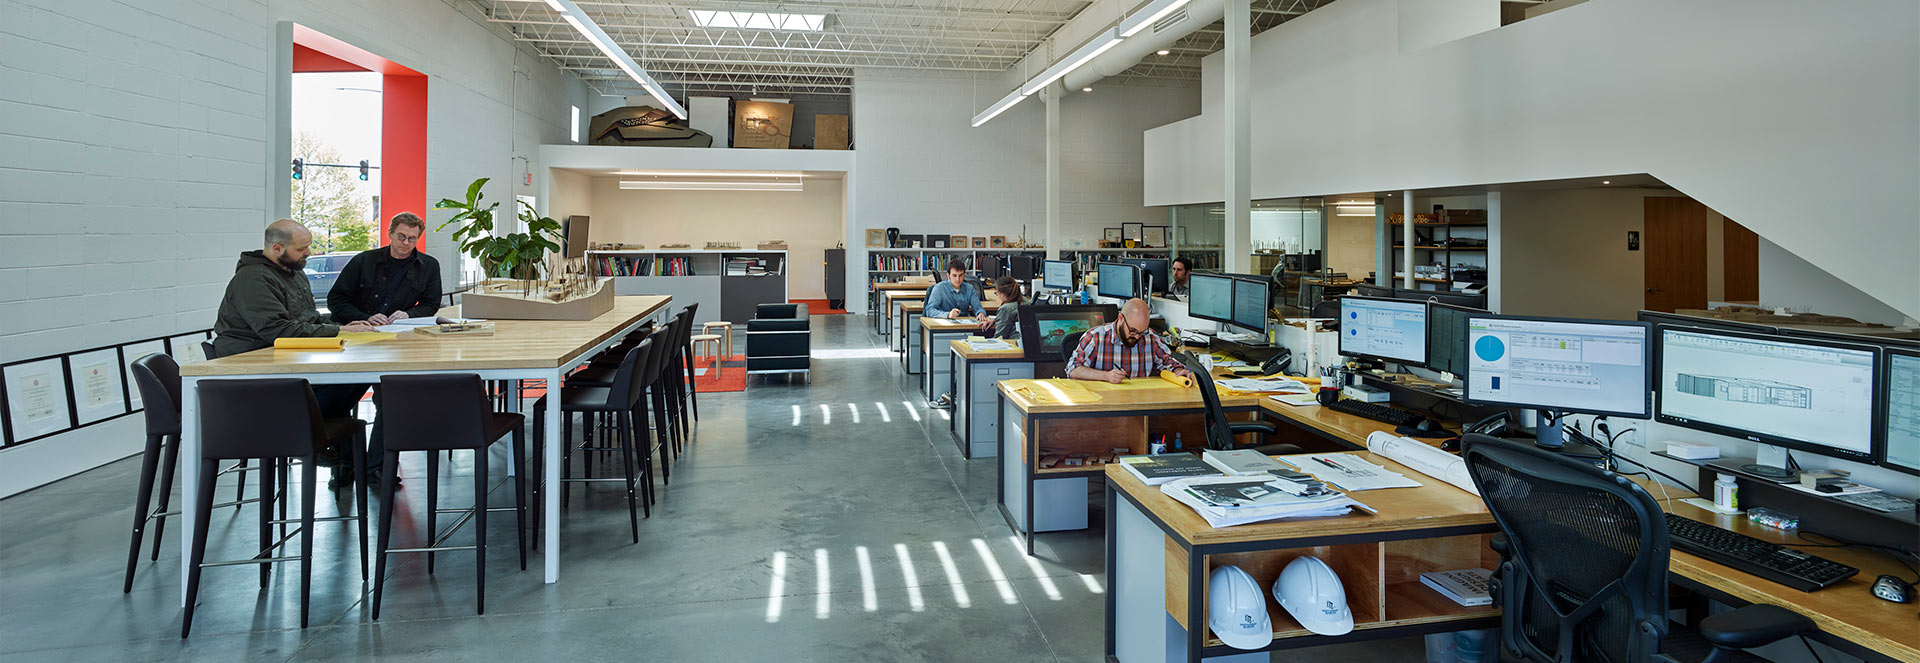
(309, 343)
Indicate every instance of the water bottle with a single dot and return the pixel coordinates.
(1177, 445)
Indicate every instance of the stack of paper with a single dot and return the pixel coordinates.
(1241, 462)
(1229, 501)
(1423, 458)
(1267, 386)
(410, 324)
(985, 344)
(1348, 472)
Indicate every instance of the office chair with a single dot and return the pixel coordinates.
(1221, 432)
(1326, 309)
(1583, 570)
(1068, 344)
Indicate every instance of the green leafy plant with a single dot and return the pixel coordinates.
(515, 255)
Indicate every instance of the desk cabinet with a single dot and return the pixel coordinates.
(975, 425)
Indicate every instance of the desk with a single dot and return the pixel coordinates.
(879, 304)
(975, 372)
(933, 353)
(913, 347)
(518, 350)
(895, 298)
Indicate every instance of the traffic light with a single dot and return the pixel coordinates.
(363, 170)
(299, 168)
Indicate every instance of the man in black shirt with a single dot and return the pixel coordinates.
(380, 286)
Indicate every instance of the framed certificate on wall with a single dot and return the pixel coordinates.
(1131, 230)
(99, 391)
(36, 401)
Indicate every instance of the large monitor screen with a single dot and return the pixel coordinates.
(1814, 396)
(1118, 280)
(1153, 273)
(1043, 328)
(1389, 329)
(1590, 367)
(1210, 297)
(1250, 304)
(1903, 411)
(1058, 274)
(1447, 337)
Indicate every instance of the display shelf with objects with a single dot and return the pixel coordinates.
(731, 282)
(1204, 258)
(1450, 247)
(891, 265)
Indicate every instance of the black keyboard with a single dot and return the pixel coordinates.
(1377, 412)
(1766, 559)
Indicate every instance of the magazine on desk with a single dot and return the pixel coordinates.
(1229, 501)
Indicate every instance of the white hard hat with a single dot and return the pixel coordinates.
(1310, 591)
(1236, 610)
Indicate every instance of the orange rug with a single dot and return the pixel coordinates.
(732, 375)
(818, 307)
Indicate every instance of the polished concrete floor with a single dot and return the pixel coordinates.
(831, 520)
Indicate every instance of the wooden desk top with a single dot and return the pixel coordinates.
(514, 344)
(920, 306)
(1847, 610)
(971, 354)
(901, 287)
(948, 324)
(1435, 504)
(904, 295)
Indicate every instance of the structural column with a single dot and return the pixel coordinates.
(1239, 171)
(1382, 247)
(1406, 239)
(1053, 97)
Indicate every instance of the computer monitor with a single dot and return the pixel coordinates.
(1447, 336)
(1468, 300)
(1565, 366)
(1811, 395)
(990, 269)
(1118, 280)
(1388, 329)
(1371, 290)
(574, 229)
(1155, 270)
(1659, 318)
(1058, 274)
(1021, 267)
(1210, 297)
(1250, 300)
(1043, 327)
(1901, 449)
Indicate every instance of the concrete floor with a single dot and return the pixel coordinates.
(832, 520)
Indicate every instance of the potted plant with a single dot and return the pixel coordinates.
(515, 255)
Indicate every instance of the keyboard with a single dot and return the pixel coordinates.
(1766, 559)
(1377, 412)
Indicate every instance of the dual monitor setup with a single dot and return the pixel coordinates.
(1847, 397)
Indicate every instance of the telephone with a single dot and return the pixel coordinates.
(1278, 363)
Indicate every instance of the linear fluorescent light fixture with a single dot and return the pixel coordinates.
(1148, 15)
(587, 28)
(1088, 51)
(671, 185)
(998, 107)
(785, 174)
(709, 18)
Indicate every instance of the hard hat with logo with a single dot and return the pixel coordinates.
(1310, 591)
(1236, 609)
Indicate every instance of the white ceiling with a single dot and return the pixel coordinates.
(960, 38)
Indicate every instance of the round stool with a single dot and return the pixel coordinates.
(714, 339)
(726, 333)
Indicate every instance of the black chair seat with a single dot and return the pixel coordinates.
(594, 376)
(1753, 626)
(589, 399)
(502, 423)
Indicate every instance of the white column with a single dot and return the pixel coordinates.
(1239, 223)
(1406, 240)
(1493, 251)
(1053, 97)
(1382, 246)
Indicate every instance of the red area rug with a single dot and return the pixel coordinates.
(732, 375)
(818, 307)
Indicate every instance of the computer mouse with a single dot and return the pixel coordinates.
(1427, 426)
(1889, 588)
(1450, 444)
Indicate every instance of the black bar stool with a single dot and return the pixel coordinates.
(446, 412)
(620, 399)
(693, 397)
(274, 421)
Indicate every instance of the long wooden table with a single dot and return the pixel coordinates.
(518, 350)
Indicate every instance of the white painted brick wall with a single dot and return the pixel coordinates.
(134, 152)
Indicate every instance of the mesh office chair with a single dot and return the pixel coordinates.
(1221, 432)
(1583, 570)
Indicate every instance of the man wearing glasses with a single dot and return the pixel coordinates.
(1122, 349)
(381, 286)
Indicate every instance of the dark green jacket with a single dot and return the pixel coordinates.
(355, 296)
(265, 301)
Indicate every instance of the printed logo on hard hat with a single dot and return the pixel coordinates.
(1330, 610)
(1248, 621)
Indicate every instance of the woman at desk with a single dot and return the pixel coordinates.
(956, 298)
(1005, 323)
(1122, 349)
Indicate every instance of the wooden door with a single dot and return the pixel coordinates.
(1675, 245)
(1740, 251)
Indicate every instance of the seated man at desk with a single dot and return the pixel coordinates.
(1122, 349)
(1006, 322)
(391, 283)
(956, 298)
(268, 298)
(1177, 273)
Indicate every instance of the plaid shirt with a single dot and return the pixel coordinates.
(1100, 349)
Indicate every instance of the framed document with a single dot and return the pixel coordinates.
(1111, 235)
(131, 352)
(185, 348)
(1155, 236)
(979, 241)
(36, 399)
(876, 238)
(99, 389)
(1130, 230)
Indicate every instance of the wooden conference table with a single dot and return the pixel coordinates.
(518, 350)
(1159, 551)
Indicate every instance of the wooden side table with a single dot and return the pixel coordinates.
(725, 333)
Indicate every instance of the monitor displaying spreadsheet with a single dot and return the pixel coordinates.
(1903, 411)
(1564, 366)
(1385, 328)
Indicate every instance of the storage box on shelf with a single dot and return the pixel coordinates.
(1454, 237)
(728, 282)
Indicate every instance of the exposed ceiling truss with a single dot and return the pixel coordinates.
(957, 38)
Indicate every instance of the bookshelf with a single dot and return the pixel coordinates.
(890, 265)
(1456, 238)
(727, 283)
(1205, 258)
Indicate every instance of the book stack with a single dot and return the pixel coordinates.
(1158, 469)
(1228, 501)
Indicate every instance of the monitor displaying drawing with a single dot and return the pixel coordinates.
(1389, 329)
(1043, 327)
(1903, 411)
(1564, 366)
(1815, 396)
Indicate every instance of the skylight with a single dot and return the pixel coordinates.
(708, 18)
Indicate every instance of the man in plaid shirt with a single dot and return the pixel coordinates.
(1122, 349)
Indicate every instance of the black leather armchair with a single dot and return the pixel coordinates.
(779, 340)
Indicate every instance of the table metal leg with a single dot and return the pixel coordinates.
(551, 493)
(190, 474)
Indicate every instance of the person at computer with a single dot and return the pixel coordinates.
(268, 298)
(954, 298)
(1181, 269)
(1006, 322)
(1122, 349)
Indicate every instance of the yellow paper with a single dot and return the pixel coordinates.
(361, 338)
(1175, 379)
(309, 343)
(1130, 384)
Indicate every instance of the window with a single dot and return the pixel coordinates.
(708, 18)
(574, 133)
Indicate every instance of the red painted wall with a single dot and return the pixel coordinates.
(403, 148)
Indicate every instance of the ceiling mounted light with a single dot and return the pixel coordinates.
(1162, 52)
(710, 18)
(600, 40)
(1086, 89)
(998, 107)
(1148, 15)
(788, 174)
(695, 185)
(1088, 51)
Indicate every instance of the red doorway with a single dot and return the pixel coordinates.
(403, 137)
